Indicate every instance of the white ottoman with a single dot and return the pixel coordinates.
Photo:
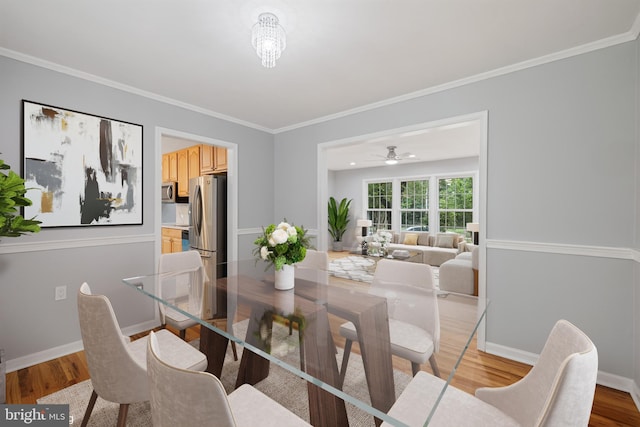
(456, 275)
(460, 274)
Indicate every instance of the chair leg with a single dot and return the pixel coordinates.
(345, 361)
(122, 415)
(87, 412)
(434, 366)
(415, 368)
(235, 351)
(302, 364)
(183, 334)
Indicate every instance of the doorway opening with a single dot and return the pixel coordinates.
(168, 140)
(387, 138)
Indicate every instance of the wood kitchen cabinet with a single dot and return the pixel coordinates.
(183, 173)
(194, 161)
(188, 167)
(165, 168)
(207, 165)
(173, 167)
(182, 165)
(220, 159)
(171, 240)
(213, 159)
(170, 167)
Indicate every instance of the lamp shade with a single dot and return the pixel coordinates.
(364, 223)
(473, 227)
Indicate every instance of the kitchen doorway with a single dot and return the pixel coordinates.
(168, 140)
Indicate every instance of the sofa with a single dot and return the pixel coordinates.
(460, 274)
(435, 250)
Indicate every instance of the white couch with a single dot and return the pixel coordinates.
(435, 250)
(460, 275)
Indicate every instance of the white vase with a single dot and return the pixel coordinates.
(285, 278)
(284, 302)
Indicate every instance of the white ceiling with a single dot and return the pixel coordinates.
(449, 141)
(341, 56)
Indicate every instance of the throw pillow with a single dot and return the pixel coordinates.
(423, 239)
(444, 240)
(410, 239)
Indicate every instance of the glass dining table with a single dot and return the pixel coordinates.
(298, 331)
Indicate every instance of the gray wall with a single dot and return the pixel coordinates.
(348, 183)
(32, 266)
(561, 170)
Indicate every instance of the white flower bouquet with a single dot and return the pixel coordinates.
(282, 244)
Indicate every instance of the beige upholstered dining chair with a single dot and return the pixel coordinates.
(203, 400)
(314, 267)
(117, 365)
(177, 261)
(558, 391)
(414, 320)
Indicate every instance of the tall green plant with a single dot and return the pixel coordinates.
(338, 217)
(12, 192)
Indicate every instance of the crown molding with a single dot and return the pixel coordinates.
(630, 35)
(126, 88)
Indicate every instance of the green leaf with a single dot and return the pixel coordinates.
(12, 191)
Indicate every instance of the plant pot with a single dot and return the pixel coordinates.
(337, 246)
(285, 278)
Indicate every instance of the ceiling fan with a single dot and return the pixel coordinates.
(392, 158)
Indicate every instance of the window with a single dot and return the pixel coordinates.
(455, 203)
(431, 204)
(379, 204)
(414, 205)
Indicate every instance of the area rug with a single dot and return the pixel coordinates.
(281, 385)
(361, 269)
(356, 268)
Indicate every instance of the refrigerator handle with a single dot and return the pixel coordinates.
(197, 211)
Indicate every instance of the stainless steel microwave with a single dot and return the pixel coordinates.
(169, 192)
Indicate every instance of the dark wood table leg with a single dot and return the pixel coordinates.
(253, 367)
(214, 346)
(373, 327)
(325, 409)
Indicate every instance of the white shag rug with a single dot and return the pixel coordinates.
(353, 267)
(361, 269)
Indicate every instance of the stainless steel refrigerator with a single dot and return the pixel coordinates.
(208, 234)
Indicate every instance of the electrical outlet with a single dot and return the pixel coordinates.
(61, 293)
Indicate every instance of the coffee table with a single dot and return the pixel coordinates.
(414, 256)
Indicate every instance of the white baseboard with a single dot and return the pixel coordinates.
(606, 379)
(63, 350)
(635, 395)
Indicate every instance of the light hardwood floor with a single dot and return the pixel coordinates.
(611, 407)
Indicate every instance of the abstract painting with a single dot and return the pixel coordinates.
(81, 169)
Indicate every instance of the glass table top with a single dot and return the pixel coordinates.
(299, 329)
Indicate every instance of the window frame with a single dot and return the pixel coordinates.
(433, 208)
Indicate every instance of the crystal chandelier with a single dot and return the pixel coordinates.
(268, 38)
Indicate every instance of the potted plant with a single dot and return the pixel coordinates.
(12, 192)
(338, 220)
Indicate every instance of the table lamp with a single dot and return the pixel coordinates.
(364, 223)
(474, 228)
